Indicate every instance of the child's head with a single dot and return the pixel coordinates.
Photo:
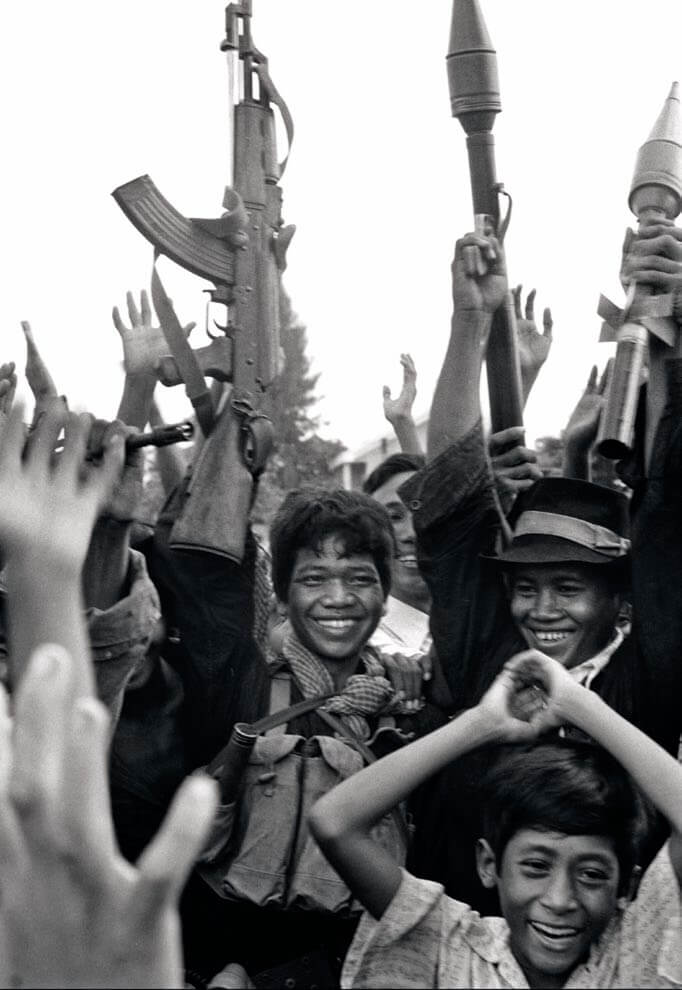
(561, 828)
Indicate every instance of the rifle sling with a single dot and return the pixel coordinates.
(188, 366)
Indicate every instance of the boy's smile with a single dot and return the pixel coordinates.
(567, 611)
(558, 893)
(335, 601)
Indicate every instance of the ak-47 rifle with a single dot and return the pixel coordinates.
(475, 101)
(243, 254)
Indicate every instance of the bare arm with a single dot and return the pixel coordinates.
(456, 405)
(342, 819)
(398, 411)
(655, 772)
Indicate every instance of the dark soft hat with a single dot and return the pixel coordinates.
(562, 519)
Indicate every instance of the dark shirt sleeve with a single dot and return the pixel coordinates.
(656, 522)
(456, 521)
(209, 599)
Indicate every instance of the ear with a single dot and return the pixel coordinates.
(486, 864)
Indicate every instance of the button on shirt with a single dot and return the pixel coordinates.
(426, 939)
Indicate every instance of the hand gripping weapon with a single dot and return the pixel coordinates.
(475, 101)
(645, 327)
(242, 253)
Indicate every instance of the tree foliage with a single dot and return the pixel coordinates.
(301, 456)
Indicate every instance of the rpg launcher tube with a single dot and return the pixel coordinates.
(655, 193)
(618, 421)
(475, 101)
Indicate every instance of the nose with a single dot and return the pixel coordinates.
(404, 529)
(559, 894)
(545, 604)
(337, 593)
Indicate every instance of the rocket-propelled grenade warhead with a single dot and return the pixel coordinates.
(659, 163)
(472, 68)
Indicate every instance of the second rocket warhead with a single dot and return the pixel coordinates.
(472, 68)
(659, 161)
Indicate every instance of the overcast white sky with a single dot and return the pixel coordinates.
(95, 94)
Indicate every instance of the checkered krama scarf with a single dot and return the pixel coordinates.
(369, 693)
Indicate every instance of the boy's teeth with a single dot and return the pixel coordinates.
(336, 623)
(554, 931)
(550, 637)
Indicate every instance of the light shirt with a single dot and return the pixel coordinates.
(403, 629)
(584, 673)
(426, 939)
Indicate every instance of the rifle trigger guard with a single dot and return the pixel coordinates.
(257, 435)
(504, 221)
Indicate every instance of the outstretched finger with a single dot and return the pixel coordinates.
(145, 308)
(606, 376)
(530, 305)
(386, 392)
(547, 322)
(118, 322)
(132, 309)
(592, 380)
(166, 862)
(12, 439)
(516, 296)
(189, 327)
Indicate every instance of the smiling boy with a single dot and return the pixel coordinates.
(559, 845)
(562, 582)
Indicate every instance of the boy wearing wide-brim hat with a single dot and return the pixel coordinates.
(561, 582)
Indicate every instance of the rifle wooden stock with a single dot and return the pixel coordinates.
(217, 498)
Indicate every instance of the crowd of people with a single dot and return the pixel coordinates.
(428, 736)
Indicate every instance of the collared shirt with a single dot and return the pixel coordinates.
(584, 673)
(426, 939)
(120, 635)
(403, 629)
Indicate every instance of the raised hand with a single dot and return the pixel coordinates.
(653, 256)
(74, 912)
(48, 504)
(471, 290)
(143, 344)
(551, 687)
(512, 707)
(37, 375)
(125, 497)
(8, 385)
(401, 408)
(515, 467)
(533, 346)
(583, 424)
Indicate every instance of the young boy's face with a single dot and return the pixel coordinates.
(335, 600)
(567, 611)
(558, 893)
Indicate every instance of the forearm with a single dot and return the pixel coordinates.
(105, 571)
(362, 800)
(654, 771)
(456, 402)
(528, 377)
(45, 606)
(136, 400)
(405, 430)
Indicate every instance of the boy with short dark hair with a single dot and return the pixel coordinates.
(557, 847)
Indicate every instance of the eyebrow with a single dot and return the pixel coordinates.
(538, 847)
